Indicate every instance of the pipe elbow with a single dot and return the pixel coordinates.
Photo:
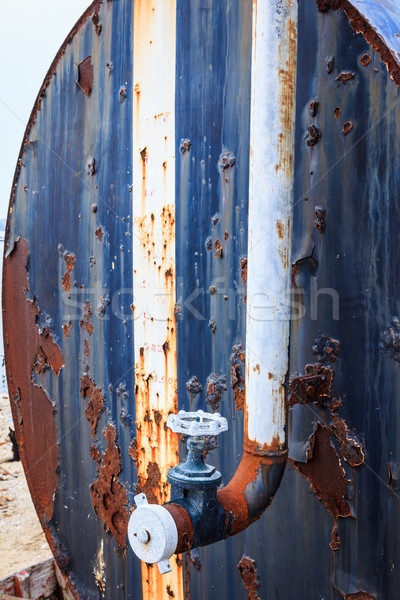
(252, 488)
(240, 503)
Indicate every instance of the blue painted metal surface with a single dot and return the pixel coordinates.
(355, 177)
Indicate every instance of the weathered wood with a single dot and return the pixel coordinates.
(39, 581)
(23, 584)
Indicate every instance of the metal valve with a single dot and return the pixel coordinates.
(152, 531)
(195, 473)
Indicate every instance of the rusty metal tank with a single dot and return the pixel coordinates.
(125, 291)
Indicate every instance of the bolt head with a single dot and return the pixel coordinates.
(143, 536)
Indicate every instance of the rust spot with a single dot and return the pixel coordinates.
(350, 447)
(109, 496)
(216, 384)
(365, 60)
(319, 221)
(69, 263)
(195, 559)
(345, 77)
(314, 386)
(144, 154)
(326, 349)
(330, 63)
(389, 342)
(170, 592)
(157, 415)
(212, 325)
(85, 323)
(85, 75)
(133, 451)
(347, 127)
(337, 112)
(248, 573)
(165, 347)
(152, 484)
(324, 472)
(97, 25)
(90, 167)
(226, 160)
(168, 273)
(95, 401)
(31, 407)
(185, 145)
(314, 105)
(218, 249)
(243, 268)
(99, 234)
(86, 343)
(226, 235)
(193, 386)
(280, 229)
(67, 328)
(238, 383)
(313, 136)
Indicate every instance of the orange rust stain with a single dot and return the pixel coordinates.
(67, 328)
(99, 234)
(86, 348)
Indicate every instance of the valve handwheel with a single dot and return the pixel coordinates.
(197, 424)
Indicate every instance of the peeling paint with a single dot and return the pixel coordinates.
(69, 263)
(248, 572)
(94, 401)
(238, 383)
(109, 496)
(325, 473)
(32, 409)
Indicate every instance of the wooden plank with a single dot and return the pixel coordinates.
(42, 581)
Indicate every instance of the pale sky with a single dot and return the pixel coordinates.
(31, 32)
